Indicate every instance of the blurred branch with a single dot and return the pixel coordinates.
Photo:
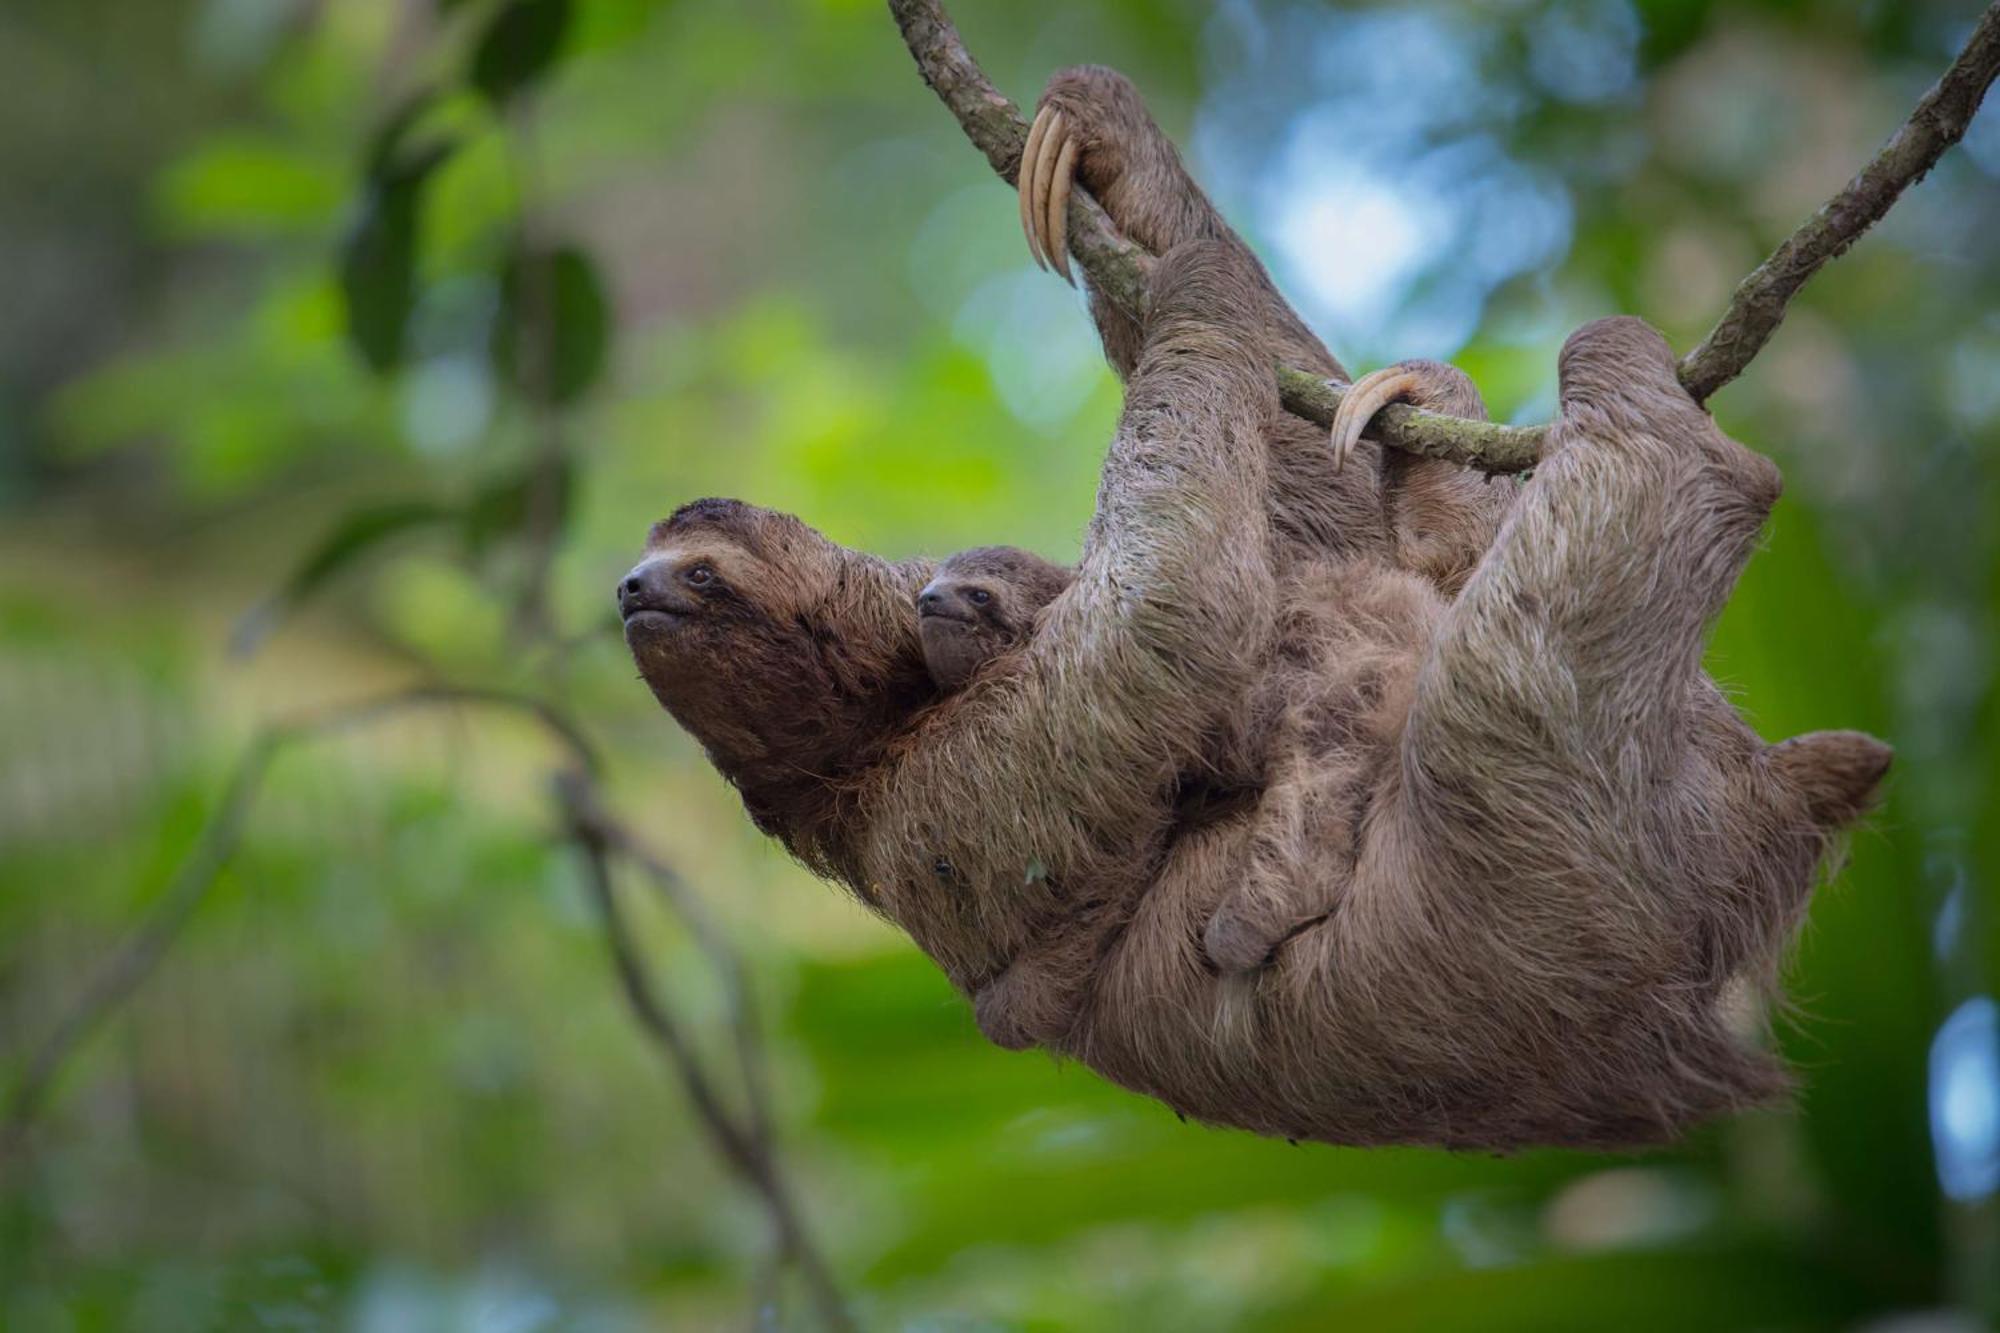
(129, 968)
(543, 520)
(746, 1146)
(142, 953)
(1118, 268)
(747, 1149)
(588, 818)
(1758, 305)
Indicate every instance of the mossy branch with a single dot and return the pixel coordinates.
(1118, 268)
(1758, 305)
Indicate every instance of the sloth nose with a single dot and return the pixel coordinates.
(931, 600)
(642, 588)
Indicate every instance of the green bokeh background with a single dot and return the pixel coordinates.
(385, 1079)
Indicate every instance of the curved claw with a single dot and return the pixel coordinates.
(1048, 165)
(1055, 240)
(1363, 399)
(1024, 180)
(1045, 179)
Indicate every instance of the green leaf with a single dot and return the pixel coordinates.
(378, 259)
(378, 275)
(520, 46)
(354, 536)
(249, 185)
(554, 324)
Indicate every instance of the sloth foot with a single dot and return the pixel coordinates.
(1027, 1005)
(1235, 943)
(1048, 166)
(1433, 386)
(1363, 399)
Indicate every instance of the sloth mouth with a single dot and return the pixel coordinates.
(929, 614)
(653, 618)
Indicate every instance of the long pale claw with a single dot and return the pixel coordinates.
(1025, 180)
(1048, 166)
(1363, 399)
(1056, 239)
(1045, 179)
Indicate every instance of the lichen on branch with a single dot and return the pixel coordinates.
(1117, 267)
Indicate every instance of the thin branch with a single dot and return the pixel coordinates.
(1117, 267)
(747, 1148)
(131, 965)
(750, 1155)
(1758, 305)
(1480, 444)
(141, 954)
(536, 336)
(587, 813)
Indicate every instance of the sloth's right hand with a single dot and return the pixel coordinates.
(1048, 165)
(1089, 119)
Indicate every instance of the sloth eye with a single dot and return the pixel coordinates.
(978, 596)
(700, 576)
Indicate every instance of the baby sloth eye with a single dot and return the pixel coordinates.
(700, 576)
(978, 596)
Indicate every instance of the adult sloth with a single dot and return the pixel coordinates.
(1487, 866)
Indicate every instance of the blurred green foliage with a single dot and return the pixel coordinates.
(392, 324)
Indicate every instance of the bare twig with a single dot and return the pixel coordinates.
(536, 347)
(132, 964)
(747, 1147)
(1758, 305)
(587, 813)
(129, 968)
(1482, 444)
(1117, 267)
(745, 1150)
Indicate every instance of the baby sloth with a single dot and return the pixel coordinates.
(982, 603)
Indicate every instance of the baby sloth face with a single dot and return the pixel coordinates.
(981, 604)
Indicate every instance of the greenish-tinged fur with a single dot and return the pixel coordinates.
(1277, 821)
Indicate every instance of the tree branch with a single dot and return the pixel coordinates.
(746, 1150)
(132, 964)
(1117, 267)
(129, 968)
(1758, 305)
(588, 818)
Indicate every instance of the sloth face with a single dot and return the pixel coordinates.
(743, 622)
(982, 604)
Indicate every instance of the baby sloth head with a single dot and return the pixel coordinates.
(981, 604)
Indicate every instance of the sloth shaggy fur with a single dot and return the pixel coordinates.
(1267, 818)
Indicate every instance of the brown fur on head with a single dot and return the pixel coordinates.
(982, 603)
(791, 659)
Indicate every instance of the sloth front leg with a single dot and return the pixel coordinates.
(1092, 127)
